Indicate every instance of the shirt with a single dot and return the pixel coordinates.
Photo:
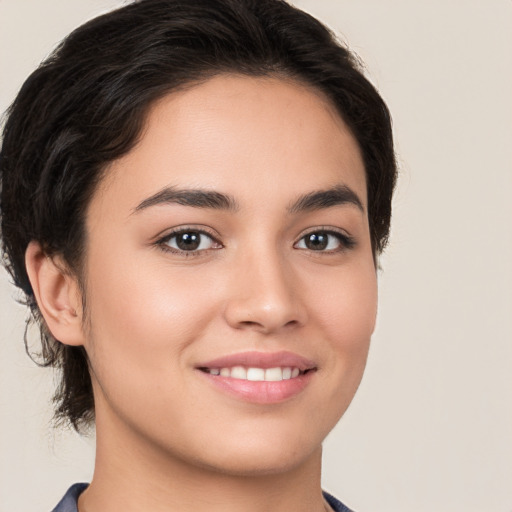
(70, 499)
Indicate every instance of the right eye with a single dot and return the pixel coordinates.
(189, 241)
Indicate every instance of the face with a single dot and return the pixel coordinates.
(230, 282)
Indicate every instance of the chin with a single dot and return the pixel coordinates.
(260, 452)
(264, 462)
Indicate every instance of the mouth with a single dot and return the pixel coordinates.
(255, 374)
(259, 377)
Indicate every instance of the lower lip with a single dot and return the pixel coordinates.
(260, 392)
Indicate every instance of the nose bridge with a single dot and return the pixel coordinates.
(264, 291)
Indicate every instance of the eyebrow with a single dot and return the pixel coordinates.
(190, 197)
(317, 200)
(197, 198)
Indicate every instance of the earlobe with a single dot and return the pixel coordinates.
(57, 295)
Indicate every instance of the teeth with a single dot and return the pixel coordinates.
(256, 374)
(239, 372)
(273, 374)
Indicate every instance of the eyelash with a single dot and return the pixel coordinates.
(163, 242)
(345, 241)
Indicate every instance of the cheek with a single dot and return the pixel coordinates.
(346, 304)
(144, 319)
(143, 316)
(345, 308)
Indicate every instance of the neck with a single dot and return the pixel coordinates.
(131, 475)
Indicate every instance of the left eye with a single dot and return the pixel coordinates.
(190, 241)
(321, 241)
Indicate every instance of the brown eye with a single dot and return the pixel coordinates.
(190, 241)
(325, 241)
(316, 241)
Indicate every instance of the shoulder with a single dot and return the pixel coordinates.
(69, 502)
(335, 504)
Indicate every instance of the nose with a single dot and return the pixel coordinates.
(265, 296)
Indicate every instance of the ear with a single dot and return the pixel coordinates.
(57, 295)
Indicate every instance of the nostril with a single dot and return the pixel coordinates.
(249, 323)
(265, 326)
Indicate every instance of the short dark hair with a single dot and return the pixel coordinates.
(85, 106)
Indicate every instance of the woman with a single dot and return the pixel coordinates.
(194, 198)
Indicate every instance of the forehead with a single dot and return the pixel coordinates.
(253, 138)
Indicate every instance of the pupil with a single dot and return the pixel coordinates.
(316, 241)
(188, 241)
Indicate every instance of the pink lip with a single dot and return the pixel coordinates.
(260, 360)
(260, 392)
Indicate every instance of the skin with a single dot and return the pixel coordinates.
(167, 439)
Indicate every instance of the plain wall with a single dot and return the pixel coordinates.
(431, 426)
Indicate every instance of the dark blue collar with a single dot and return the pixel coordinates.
(69, 502)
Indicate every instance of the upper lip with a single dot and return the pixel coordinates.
(260, 360)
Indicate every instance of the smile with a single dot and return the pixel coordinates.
(256, 374)
(259, 377)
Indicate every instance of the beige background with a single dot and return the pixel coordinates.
(431, 426)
